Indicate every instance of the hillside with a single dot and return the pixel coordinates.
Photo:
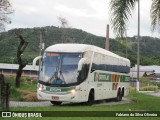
(149, 47)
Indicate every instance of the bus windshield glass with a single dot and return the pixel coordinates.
(59, 68)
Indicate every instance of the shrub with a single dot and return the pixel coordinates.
(23, 80)
(34, 81)
(16, 95)
(132, 89)
(14, 92)
(28, 78)
(149, 88)
(156, 84)
(145, 80)
(31, 80)
(10, 80)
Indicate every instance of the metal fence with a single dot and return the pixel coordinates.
(4, 93)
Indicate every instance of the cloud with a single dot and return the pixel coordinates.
(89, 15)
(72, 11)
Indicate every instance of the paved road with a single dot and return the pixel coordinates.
(153, 93)
(98, 103)
(47, 103)
(30, 104)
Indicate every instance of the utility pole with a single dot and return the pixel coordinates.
(126, 48)
(40, 48)
(41, 45)
(126, 45)
(138, 40)
(41, 41)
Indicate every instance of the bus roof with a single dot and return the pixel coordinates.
(74, 48)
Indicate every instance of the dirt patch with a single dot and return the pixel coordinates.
(29, 96)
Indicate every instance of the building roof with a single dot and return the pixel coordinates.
(15, 67)
(142, 69)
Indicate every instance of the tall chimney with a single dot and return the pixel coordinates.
(107, 38)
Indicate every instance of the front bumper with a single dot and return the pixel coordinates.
(57, 96)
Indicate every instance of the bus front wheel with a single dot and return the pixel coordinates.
(56, 103)
(91, 98)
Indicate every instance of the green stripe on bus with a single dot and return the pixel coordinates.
(122, 78)
(115, 78)
(59, 89)
(103, 77)
(125, 78)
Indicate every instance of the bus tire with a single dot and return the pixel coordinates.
(119, 96)
(91, 98)
(122, 92)
(56, 102)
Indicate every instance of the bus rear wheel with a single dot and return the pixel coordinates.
(56, 102)
(91, 98)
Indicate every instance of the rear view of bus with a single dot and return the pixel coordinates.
(68, 74)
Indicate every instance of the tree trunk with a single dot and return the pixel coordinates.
(18, 76)
(23, 44)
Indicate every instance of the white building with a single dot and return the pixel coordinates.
(11, 69)
(144, 69)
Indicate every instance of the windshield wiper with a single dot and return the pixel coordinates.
(57, 77)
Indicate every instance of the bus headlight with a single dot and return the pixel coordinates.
(39, 88)
(73, 91)
(42, 87)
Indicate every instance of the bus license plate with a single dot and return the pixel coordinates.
(55, 97)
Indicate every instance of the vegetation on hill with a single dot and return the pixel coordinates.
(149, 46)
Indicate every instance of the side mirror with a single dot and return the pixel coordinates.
(80, 64)
(35, 60)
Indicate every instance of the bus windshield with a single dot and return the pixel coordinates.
(59, 68)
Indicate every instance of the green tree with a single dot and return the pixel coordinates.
(121, 11)
(155, 14)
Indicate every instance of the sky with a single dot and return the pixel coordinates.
(89, 15)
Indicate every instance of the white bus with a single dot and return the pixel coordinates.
(81, 73)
